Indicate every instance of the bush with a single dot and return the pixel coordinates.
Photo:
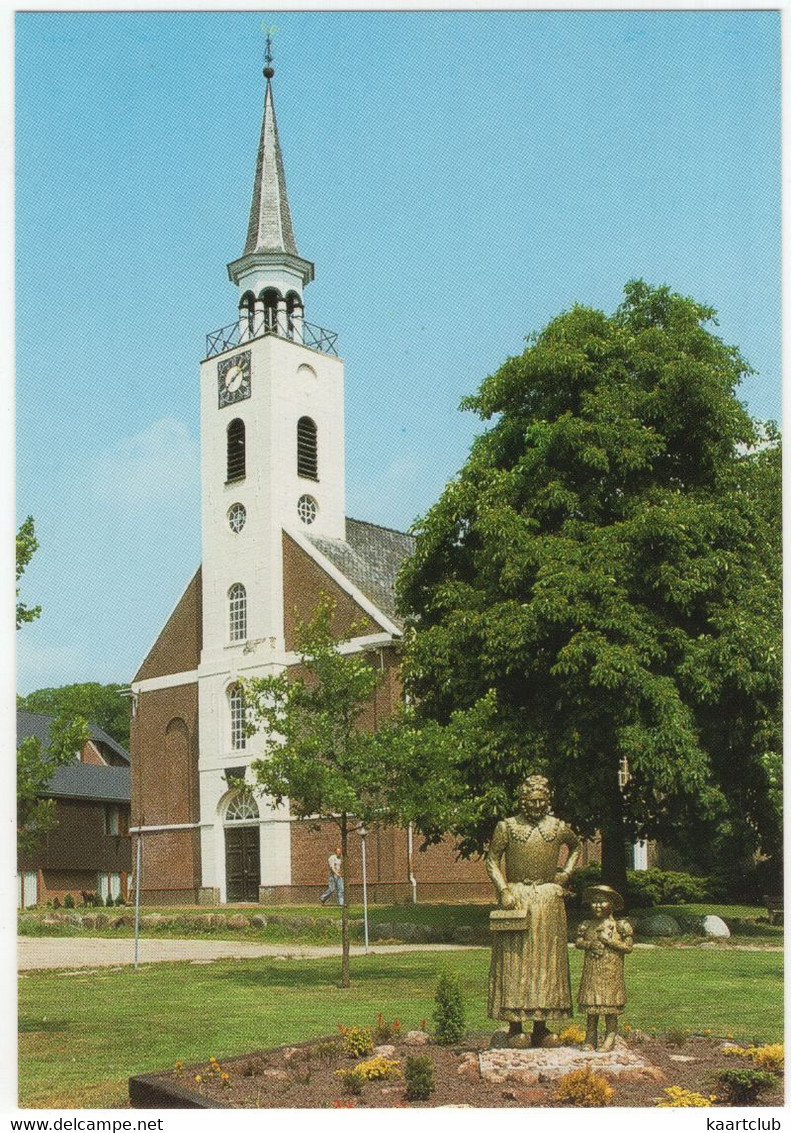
(109, 903)
(676, 1097)
(588, 875)
(742, 1087)
(379, 1068)
(449, 1022)
(119, 900)
(385, 1032)
(352, 1081)
(357, 1041)
(584, 1088)
(56, 903)
(769, 1057)
(68, 901)
(419, 1075)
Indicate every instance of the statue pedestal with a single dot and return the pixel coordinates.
(546, 1064)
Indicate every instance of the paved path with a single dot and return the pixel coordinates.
(36, 952)
(77, 952)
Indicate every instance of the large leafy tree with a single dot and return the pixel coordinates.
(101, 704)
(36, 763)
(597, 591)
(321, 757)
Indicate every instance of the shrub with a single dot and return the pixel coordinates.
(665, 887)
(572, 1034)
(109, 902)
(448, 1017)
(379, 1068)
(676, 1037)
(327, 1051)
(769, 1057)
(588, 875)
(742, 1087)
(352, 1081)
(584, 1088)
(419, 1075)
(56, 902)
(357, 1041)
(119, 900)
(676, 1097)
(68, 901)
(384, 1031)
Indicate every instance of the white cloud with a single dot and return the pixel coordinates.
(161, 465)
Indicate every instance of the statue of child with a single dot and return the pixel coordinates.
(605, 942)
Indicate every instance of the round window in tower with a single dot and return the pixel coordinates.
(236, 517)
(307, 509)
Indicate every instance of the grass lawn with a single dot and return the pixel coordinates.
(82, 1036)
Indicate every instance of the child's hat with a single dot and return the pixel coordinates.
(611, 895)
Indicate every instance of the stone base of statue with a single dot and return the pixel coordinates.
(528, 1067)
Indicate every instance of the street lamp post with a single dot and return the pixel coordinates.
(363, 833)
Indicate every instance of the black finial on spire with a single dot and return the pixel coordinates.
(269, 70)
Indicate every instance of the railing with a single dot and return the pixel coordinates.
(236, 334)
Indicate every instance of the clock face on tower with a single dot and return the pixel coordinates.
(233, 379)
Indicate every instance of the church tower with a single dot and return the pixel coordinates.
(275, 540)
(272, 460)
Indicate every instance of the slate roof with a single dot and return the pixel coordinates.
(79, 780)
(90, 781)
(270, 228)
(39, 723)
(370, 557)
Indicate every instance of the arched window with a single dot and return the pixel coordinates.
(237, 612)
(293, 311)
(242, 808)
(271, 298)
(247, 310)
(236, 458)
(236, 706)
(307, 449)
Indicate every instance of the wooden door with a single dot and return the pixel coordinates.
(242, 863)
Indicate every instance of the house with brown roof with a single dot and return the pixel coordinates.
(88, 849)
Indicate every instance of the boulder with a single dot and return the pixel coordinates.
(89, 920)
(258, 921)
(416, 1038)
(127, 920)
(102, 920)
(659, 924)
(381, 931)
(715, 927)
(74, 919)
(384, 1051)
(237, 921)
(298, 924)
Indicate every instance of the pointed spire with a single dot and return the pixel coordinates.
(270, 228)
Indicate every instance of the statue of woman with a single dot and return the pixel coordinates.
(529, 976)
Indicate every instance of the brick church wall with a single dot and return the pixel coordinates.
(303, 584)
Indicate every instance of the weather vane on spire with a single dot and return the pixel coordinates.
(269, 70)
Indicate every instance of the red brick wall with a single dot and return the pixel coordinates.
(178, 647)
(78, 841)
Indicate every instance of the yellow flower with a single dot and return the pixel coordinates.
(198, 1078)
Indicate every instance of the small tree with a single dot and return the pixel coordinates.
(320, 757)
(449, 1021)
(35, 764)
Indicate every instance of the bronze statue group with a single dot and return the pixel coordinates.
(530, 977)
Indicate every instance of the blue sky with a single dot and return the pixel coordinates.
(458, 178)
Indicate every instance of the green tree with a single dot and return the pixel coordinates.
(34, 769)
(35, 765)
(26, 546)
(320, 755)
(598, 590)
(103, 705)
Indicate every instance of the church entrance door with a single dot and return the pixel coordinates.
(242, 863)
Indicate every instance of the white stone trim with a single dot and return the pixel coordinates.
(338, 577)
(152, 684)
(173, 826)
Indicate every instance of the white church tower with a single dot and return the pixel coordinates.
(272, 432)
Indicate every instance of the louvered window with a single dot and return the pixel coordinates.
(307, 449)
(236, 458)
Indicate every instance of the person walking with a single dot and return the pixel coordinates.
(335, 884)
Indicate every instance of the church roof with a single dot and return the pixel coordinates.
(370, 557)
(270, 228)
